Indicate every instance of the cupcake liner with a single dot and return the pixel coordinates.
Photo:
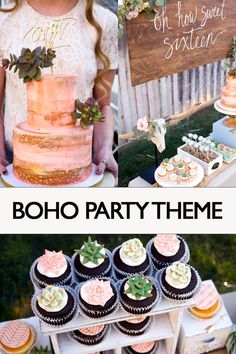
(91, 341)
(158, 264)
(84, 277)
(132, 332)
(148, 271)
(88, 313)
(155, 349)
(41, 284)
(56, 322)
(179, 298)
(29, 346)
(142, 310)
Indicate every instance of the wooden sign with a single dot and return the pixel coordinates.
(183, 35)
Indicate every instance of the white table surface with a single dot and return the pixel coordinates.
(34, 322)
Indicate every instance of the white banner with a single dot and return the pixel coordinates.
(117, 210)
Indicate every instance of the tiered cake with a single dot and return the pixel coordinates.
(228, 93)
(50, 148)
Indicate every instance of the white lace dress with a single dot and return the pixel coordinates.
(72, 37)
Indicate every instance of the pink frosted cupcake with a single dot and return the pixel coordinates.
(98, 298)
(53, 268)
(135, 326)
(151, 347)
(90, 335)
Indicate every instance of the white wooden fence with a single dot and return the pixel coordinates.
(167, 97)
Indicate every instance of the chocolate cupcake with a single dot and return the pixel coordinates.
(131, 258)
(138, 294)
(53, 268)
(98, 298)
(90, 335)
(151, 347)
(91, 261)
(179, 282)
(55, 305)
(135, 326)
(166, 249)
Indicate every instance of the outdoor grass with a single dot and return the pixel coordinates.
(138, 155)
(212, 255)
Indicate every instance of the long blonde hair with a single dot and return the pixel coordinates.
(102, 57)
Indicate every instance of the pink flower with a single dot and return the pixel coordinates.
(131, 15)
(97, 292)
(142, 124)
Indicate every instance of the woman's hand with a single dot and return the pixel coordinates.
(104, 160)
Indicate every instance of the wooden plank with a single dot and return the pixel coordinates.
(184, 35)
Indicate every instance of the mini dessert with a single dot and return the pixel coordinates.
(162, 173)
(91, 261)
(173, 177)
(184, 177)
(176, 159)
(138, 295)
(179, 282)
(135, 326)
(166, 249)
(165, 163)
(98, 298)
(181, 167)
(192, 166)
(187, 160)
(90, 335)
(55, 305)
(192, 173)
(17, 337)
(131, 258)
(144, 348)
(208, 302)
(170, 167)
(53, 268)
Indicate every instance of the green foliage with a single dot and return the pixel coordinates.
(231, 59)
(30, 63)
(41, 350)
(88, 112)
(231, 343)
(91, 252)
(139, 286)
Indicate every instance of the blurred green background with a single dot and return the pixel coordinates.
(138, 155)
(212, 255)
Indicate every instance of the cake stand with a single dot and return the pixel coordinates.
(168, 184)
(10, 180)
(230, 121)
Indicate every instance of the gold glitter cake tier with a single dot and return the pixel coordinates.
(55, 158)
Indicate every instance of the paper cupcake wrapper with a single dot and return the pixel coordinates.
(29, 346)
(91, 341)
(131, 332)
(155, 349)
(56, 322)
(85, 277)
(177, 298)
(148, 271)
(202, 317)
(88, 313)
(141, 310)
(158, 264)
(41, 284)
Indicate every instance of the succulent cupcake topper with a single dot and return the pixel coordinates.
(30, 63)
(139, 286)
(91, 252)
(41, 350)
(88, 112)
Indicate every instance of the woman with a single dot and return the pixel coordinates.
(84, 36)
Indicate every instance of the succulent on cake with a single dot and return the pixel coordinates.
(139, 287)
(30, 63)
(88, 112)
(41, 350)
(230, 60)
(130, 9)
(91, 252)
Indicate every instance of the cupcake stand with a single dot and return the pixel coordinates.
(166, 323)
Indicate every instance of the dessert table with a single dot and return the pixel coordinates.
(107, 181)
